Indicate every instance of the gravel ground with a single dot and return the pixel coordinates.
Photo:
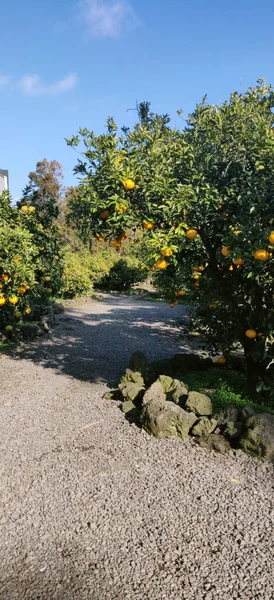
(92, 507)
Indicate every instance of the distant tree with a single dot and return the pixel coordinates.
(44, 190)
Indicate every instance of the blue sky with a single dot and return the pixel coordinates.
(66, 64)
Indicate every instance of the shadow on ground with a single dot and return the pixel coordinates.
(94, 342)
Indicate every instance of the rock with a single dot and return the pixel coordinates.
(246, 413)
(30, 331)
(58, 308)
(185, 363)
(258, 437)
(132, 377)
(176, 391)
(130, 410)
(49, 315)
(113, 395)
(139, 362)
(230, 414)
(132, 391)
(154, 392)
(200, 404)
(214, 442)
(204, 427)
(160, 367)
(44, 324)
(233, 431)
(163, 419)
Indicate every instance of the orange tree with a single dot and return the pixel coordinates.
(39, 209)
(204, 197)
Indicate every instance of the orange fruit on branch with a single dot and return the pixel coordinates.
(161, 263)
(166, 251)
(2, 301)
(221, 360)
(271, 237)
(18, 315)
(181, 293)
(104, 214)
(129, 184)
(8, 328)
(251, 334)
(191, 234)
(27, 311)
(149, 225)
(4, 277)
(225, 250)
(261, 254)
(13, 299)
(238, 261)
(213, 306)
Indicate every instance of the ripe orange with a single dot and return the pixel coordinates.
(22, 290)
(27, 311)
(8, 328)
(201, 269)
(25, 208)
(129, 184)
(172, 304)
(115, 244)
(225, 251)
(99, 237)
(238, 261)
(181, 293)
(261, 254)
(213, 306)
(17, 259)
(166, 251)
(161, 263)
(2, 301)
(148, 225)
(32, 209)
(104, 214)
(191, 234)
(251, 334)
(4, 277)
(196, 276)
(121, 209)
(221, 360)
(13, 299)
(271, 237)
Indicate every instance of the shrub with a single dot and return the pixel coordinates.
(77, 274)
(122, 276)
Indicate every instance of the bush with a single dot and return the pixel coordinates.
(122, 276)
(77, 275)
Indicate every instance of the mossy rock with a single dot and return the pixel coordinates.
(163, 419)
(204, 427)
(200, 404)
(258, 437)
(214, 442)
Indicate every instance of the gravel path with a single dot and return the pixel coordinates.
(94, 509)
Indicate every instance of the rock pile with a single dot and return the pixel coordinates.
(164, 406)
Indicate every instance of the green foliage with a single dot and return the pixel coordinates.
(225, 387)
(122, 275)
(77, 274)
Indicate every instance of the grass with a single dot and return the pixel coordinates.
(225, 387)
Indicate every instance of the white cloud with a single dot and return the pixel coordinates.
(4, 80)
(108, 18)
(32, 85)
